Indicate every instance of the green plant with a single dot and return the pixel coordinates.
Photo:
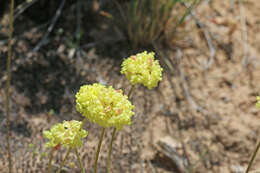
(104, 106)
(67, 134)
(146, 20)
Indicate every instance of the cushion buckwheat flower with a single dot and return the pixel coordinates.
(104, 105)
(68, 134)
(258, 102)
(143, 69)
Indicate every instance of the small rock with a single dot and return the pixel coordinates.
(237, 169)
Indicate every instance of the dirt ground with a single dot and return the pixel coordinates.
(201, 118)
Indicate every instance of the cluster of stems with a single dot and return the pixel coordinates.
(108, 169)
(111, 143)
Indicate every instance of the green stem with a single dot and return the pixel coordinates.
(131, 91)
(50, 160)
(113, 136)
(253, 158)
(8, 84)
(83, 122)
(98, 149)
(110, 150)
(79, 160)
(63, 161)
(187, 12)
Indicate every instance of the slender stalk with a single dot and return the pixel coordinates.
(8, 84)
(131, 91)
(110, 150)
(79, 160)
(50, 160)
(83, 122)
(98, 149)
(253, 158)
(63, 161)
(202, 156)
(113, 136)
(187, 12)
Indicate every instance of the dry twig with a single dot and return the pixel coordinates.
(207, 36)
(244, 34)
(152, 167)
(78, 29)
(8, 83)
(170, 151)
(121, 11)
(21, 8)
(44, 40)
(184, 84)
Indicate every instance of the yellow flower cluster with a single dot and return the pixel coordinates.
(104, 105)
(258, 102)
(143, 69)
(68, 134)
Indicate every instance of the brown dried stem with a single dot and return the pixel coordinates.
(8, 135)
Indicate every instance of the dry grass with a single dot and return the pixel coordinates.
(146, 20)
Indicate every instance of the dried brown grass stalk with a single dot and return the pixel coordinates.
(8, 135)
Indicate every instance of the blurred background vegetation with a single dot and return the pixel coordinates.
(137, 23)
(110, 28)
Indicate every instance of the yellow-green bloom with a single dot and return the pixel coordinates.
(104, 105)
(258, 102)
(67, 134)
(143, 69)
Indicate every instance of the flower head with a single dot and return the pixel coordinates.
(143, 69)
(68, 134)
(104, 105)
(258, 102)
